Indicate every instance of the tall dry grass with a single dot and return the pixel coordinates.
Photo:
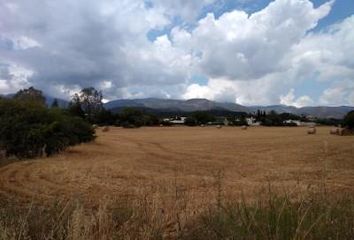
(314, 215)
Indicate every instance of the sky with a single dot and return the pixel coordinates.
(250, 52)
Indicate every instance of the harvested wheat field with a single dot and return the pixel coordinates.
(199, 163)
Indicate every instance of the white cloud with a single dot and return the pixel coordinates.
(340, 93)
(249, 59)
(290, 100)
(188, 10)
(264, 55)
(198, 91)
(242, 47)
(13, 76)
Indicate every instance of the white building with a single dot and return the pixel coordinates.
(178, 120)
(251, 121)
(299, 123)
(226, 122)
(289, 121)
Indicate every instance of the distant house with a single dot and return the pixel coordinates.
(179, 120)
(226, 122)
(291, 121)
(310, 118)
(251, 121)
(299, 123)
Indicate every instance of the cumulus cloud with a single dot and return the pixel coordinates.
(242, 47)
(86, 43)
(340, 93)
(13, 77)
(62, 46)
(290, 100)
(188, 10)
(261, 56)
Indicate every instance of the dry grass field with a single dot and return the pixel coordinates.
(185, 183)
(199, 163)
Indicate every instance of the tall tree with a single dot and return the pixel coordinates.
(90, 101)
(30, 95)
(55, 103)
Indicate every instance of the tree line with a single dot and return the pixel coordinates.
(29, 128)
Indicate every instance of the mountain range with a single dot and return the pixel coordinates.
(169, 105)
(201, 104)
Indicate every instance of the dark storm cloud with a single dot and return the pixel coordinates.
(83, 43)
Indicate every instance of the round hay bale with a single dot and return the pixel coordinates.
(341, 131)
(334, 131)
(311, 130)
(202, 125)
(218, 126)
(244, 127)
(105, 129)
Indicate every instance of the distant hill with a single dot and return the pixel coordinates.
(176, 105)
(62, 103)
(48, 100)
(319, 112)
(180, 106)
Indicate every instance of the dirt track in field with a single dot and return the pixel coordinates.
(190, 161)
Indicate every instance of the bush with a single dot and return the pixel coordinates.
(29, 130)
(203, 117)
(349, 120)
(166, 123)
(190, 121)
(131, 118)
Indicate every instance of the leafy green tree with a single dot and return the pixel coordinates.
(30, 95)
(240, 121)
(203, 117)
(272, 119)
(349, 120)
(90, 102)
(131, 117)
(151, 120)
(75, 109)
(190, 121)
(105, 117)
(30, 130)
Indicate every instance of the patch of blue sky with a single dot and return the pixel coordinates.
(219, 7)
(155, 33)
(341, 9)
(176, 21)
(148, 4)
(199, 79)
(311, 88)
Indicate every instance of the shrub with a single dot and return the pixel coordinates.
(166, 123)
(203, 117)
(349, 120)
(28, 130)
(190, 121)
(131, 117)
